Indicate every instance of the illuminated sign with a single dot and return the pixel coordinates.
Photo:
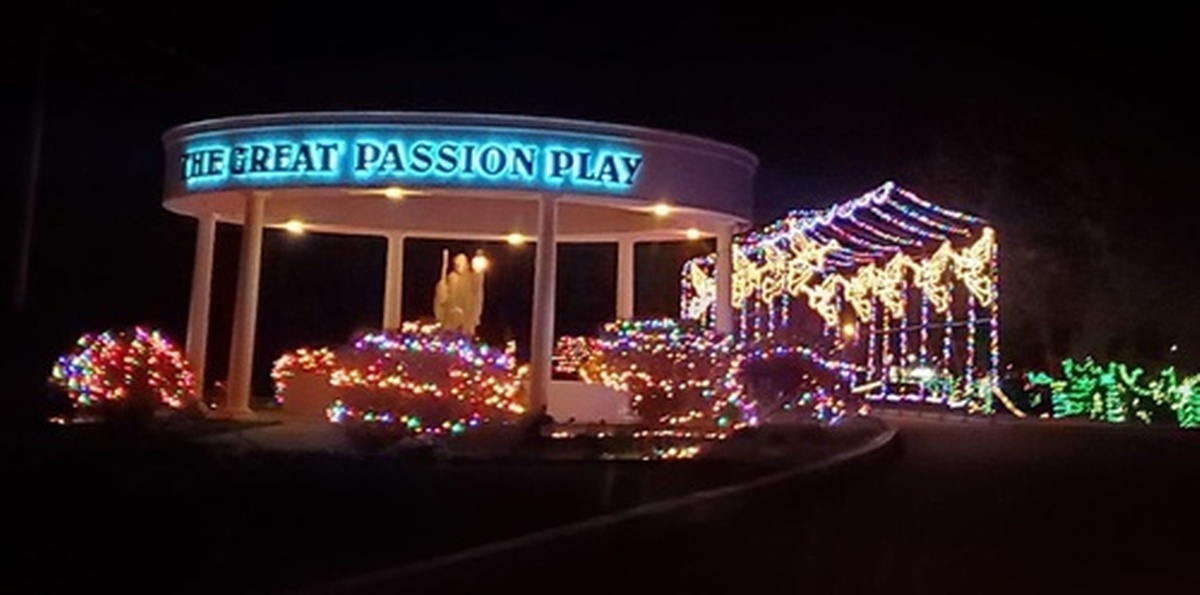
(381, 156)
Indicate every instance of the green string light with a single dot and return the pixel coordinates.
(1116, 393)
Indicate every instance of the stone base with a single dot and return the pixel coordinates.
(581, 403)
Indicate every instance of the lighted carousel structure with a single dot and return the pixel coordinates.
(899, 294)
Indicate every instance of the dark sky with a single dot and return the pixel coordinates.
(1074, 133)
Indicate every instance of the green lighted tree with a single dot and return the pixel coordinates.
(1116, 398)
(1185, 400)
(1084, 390)
(1114, 393)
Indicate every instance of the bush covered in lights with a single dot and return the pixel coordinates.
(124, 372)
(1118, 393)
(570, 353)
(320, 361)
(794, 379)
(675, 374)
(422, 381)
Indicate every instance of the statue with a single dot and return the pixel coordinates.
(458, 296)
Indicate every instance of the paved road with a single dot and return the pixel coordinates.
(961, 507)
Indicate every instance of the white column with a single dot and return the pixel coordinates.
(541, 337)
(393, 287)
(724, 279)
(625, 269)
(245, 313)
(196, 346)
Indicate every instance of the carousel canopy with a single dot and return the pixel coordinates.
(872, 228)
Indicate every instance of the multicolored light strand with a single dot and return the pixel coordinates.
(423, 381)
(571, 352)
(320, 361)
(674, 375)
(680, 375)
(868, 259)
(803, 274)
(416, 381)
(124, 366)
(823, 389)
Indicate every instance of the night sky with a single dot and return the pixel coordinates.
(1074, 134)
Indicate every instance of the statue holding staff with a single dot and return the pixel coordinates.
(458, 295)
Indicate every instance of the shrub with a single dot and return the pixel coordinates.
(422, 381)
(124, 373)
(676, 374)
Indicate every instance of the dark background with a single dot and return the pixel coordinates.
(1073, 132)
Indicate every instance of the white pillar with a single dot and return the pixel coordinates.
(245, 313)
(541, 337)
(393, 287)
(196, 346)
(724, 322)
(625, 269)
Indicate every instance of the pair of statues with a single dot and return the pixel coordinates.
(458, 295)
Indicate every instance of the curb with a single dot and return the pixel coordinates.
(380, 580)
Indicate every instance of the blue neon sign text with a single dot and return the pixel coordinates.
(366, 159)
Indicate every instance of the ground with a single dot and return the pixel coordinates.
(962, 506)
(164, 511)
(957, 506)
